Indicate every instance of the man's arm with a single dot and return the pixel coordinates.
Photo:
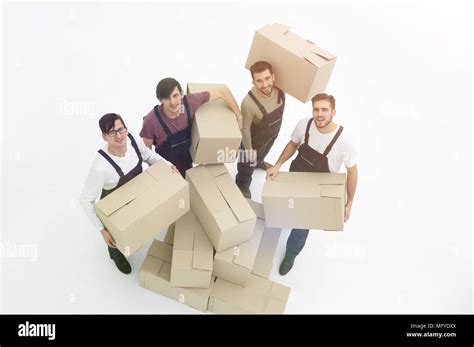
(147, 142)
(247, 118)
(287, 153)
(351, 185)
(225, 94)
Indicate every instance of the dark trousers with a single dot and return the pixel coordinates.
(244, 174)
(296, 242)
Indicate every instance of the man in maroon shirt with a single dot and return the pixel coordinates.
(168, 125)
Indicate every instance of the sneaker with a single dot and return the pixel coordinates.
(286, 265)
(120, 261)
(264, 165)
(246, 192)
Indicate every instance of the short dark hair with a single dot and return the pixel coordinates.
(261, 66)
(166, 86)
(323, 96)
(107, 122)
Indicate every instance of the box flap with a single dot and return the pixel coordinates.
(332, 191)
(314, 54)
(248, 249)
(206, 188)
(203, 251)
(161, 250)
(257, 208)
(215, 170)
(182, 259)
(111, 204)
(184, 232)
(151, 265)
(234, 198)
(295, 189)
(275, 28)
(266, 252)
(281, 34)
(169, 236)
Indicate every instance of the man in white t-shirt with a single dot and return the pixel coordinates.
(323, 146)
(114, 166)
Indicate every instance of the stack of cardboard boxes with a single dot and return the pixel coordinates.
(219, 256)
(218, 252)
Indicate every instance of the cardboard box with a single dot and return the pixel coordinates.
(215, 134)
(305, 200)
(258, 296)
(155, 276)
(302, 69)
(192, 259)
(263, 263)
(137, 211)
(220, 207)
(235, 264)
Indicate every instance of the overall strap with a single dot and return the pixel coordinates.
(160, 119)
(259, 105)
(187, 108)
(333, 141)
(113, 163)
(135, 146)
(306, 135)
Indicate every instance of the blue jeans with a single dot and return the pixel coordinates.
(296, 242)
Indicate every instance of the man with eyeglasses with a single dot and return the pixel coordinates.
(168, 126)
(114, 166)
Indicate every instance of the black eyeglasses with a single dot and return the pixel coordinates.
(121, 130)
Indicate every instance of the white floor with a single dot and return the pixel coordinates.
(403, 90)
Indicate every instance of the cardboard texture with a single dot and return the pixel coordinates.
(258, 296)
(235, 264)
(268, 244)
(154, 275)
(219, 206)
(253, 256)
(137, 211)
(192, 259)
(306, 200)
(302, 69)
(215, 133)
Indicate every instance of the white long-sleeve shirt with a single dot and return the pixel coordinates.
(103, 175)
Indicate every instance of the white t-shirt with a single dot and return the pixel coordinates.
(103, 175)
(343, 151)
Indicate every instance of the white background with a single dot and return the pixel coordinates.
(402, 83)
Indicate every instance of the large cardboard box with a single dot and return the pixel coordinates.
(137, 211)
(219, 205)
(215, 134)
(263, 263)
(191, 264)
(155, 276)
(305, 200)
(258, 296)
(302, 69)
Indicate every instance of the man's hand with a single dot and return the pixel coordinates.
(272, 172)
(174, 169)
(347, 212)
(109, 240)
(239, 121)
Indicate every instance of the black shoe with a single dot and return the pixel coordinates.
(286, 265)
(246, 192)
(122, 263)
